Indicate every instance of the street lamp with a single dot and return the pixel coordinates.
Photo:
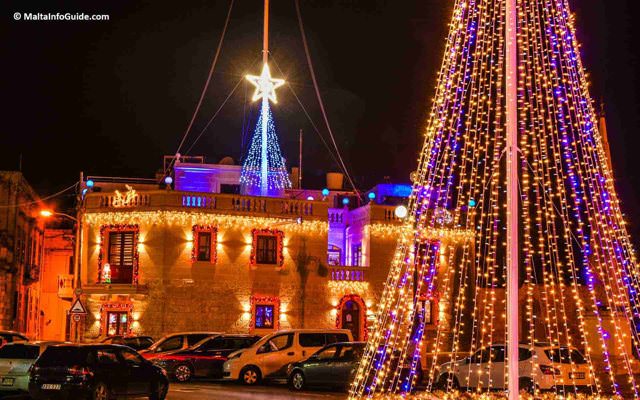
(48, 213)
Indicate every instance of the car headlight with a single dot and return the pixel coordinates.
(234, 356)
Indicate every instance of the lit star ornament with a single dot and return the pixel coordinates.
(265, 85)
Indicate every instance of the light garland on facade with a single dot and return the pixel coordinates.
(188, 219)
(576, 256)
(196, 230)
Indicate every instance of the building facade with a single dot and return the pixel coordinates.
(21, 252)
(197, 255)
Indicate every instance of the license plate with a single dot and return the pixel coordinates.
(7, 382)
(576, 375)
(50, 386)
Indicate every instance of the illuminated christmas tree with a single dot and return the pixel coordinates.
(263, 171)
(512, 190)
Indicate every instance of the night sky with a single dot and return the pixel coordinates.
(111, 98)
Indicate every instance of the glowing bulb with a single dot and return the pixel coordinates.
(401, 212)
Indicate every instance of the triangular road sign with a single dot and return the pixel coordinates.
(77, 307)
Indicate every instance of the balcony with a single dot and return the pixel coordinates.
(348, 274)
(207, 202)
(65, 286)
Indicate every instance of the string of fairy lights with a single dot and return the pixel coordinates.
(579, 274)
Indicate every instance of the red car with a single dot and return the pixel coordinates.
(205, 359)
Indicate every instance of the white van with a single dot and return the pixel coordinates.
(269, 357)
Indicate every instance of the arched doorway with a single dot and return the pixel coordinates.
(352, 315)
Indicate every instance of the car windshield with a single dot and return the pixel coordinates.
(20, 352)
(64, 356)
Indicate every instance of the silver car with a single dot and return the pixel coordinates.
(15, 361)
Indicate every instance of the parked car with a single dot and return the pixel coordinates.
(204, 359)
(269, 357)
(15, 360)
(96, 371)
(333, 365)
(135, 342)
(175, 341)
(554, 367)
(10, 336)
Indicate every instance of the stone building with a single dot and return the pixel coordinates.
(195, 254)
(56, 284)
(21, 238)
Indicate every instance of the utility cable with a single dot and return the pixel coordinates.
(41, 199)
(215, 114)
(315, 85)
(206, 85)
(313, 125)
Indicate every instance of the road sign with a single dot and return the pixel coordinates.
(78, 291)
(77, 307)
(76, 317)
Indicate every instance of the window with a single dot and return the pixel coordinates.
(427, 311)
(121, 256)
(264, 316)
(217, 343)
(172, 343)
(565, 356)
(278, 343)
(497, 354)
(204, 246)
(356, 255)
(351, 352)
(266, 249)
(333, 255)
(20, 351)
(106, 356)
(130, 357)
(229, 188)
(117, 323)
(195, 338)
(336, 337)
(328, 353)
(312, 339)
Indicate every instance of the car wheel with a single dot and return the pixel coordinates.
(250, 375)
(182, 373)
(296, 382)
(100, 392)
(159, 391)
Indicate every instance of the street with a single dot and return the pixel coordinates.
(233, 391)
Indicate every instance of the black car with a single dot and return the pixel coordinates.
(204, 359)
(135, 342)
(96, 371)
(333, 365)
